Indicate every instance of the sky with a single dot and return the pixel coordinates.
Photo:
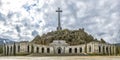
(22, 20)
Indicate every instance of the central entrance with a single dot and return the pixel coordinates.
(59, 50)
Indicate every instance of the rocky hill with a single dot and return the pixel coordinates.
(73, 37)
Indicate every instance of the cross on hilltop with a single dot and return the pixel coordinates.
(59, 23)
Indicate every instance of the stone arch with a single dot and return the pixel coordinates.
(48, 50)
(59, 50)
(89, 48)
(75, 50)
(37, 50)
(70, 50)
(43, 49)
(80, 50)
(18, 48)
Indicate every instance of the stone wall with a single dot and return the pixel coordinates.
(101, 48)
(29, 48)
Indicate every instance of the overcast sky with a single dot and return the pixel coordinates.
(24, 19)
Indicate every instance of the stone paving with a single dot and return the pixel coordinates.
(61, 58)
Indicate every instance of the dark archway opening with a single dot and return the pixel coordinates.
(99, 49)
(37, 49)
(59, 50)
(42, 50)
(80, 50)
(48, 50)
(18, 48)
(70, 50)
(75, 50)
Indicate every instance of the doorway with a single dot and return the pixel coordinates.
(59, 50)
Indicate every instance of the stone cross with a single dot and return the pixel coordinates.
(59, 23)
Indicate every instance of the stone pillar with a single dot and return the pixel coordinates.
(93, 49)
(105, 49)
(114, 50)
(52, 50)
(109, 50)
(16, 48)
(4, 49)
(35, 49)
(7, 50)
(45, 51)
(101, 49)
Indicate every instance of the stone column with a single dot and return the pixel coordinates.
(109, 50)
(45, 50)
(83, 49)
(16, 48)
(34, 49)
(4, 49)
(105, 49)
(8, 50)
(93, 49)
(114, 50)
(101, 49)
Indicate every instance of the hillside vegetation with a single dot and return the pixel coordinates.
(73, 37)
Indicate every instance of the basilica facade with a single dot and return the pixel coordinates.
(59, 47)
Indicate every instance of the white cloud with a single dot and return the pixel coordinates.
(101, 18)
